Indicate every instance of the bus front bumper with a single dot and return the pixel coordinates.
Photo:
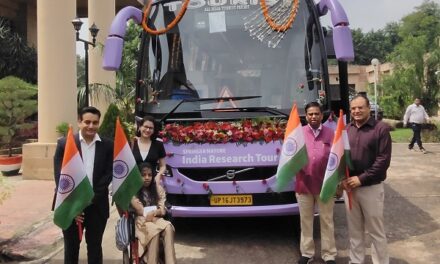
(235, 211)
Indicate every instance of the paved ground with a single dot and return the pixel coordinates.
(26, 229)
(412, 214)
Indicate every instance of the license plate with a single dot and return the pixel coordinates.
(219, 200)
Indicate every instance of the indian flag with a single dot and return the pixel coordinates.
(293, 153)
(74, 191)
(338, 161)
(127, 179)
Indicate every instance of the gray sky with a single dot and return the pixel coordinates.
(374, 14)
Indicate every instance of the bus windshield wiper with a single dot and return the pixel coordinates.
(207, 101)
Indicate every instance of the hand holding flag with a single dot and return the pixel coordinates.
(338, 161)
(74, 192)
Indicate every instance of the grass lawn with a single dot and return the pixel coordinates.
(401, 135)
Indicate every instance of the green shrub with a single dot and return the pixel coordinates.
(107, 128)
(62, 128)
(431, 133)
(17, 102)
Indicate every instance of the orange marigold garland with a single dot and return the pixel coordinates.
(274, 23)
(271, 21)
(169, 26)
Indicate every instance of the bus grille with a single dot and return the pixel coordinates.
(214, 174)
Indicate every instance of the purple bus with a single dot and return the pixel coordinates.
(222, 83)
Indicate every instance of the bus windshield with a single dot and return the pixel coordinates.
(224, 49)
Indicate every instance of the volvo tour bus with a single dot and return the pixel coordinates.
(221, 78)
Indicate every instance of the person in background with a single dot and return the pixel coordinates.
(97, 155)
(149, 205)
(146, 148)
(318, 139)
(415, 116)
(370, 150)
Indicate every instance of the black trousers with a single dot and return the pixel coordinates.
(94, 226)
(417, 129)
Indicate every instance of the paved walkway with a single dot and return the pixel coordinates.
(26, 228)
(28, 233)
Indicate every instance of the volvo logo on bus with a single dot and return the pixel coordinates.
(230, 174)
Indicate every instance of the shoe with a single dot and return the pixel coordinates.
(410, 148)
(330, 262)
(303, 260)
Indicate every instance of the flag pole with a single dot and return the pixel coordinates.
(349, 194)
(80, 230)
(347, 173)
(78, 223)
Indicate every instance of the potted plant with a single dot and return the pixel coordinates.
(17, 102)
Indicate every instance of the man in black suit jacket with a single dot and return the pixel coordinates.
(97, 154)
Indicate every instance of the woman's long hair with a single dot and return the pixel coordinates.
(152, 189)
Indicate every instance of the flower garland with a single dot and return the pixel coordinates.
(244, 131)
(173, 23)
(272, 21)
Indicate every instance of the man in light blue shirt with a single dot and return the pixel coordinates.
(415, 116)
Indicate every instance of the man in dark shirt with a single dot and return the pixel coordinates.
(370, 143)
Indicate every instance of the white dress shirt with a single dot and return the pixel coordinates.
(88, 154)
(415, 114)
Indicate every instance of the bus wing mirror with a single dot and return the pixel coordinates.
(342, 40)
(343, 43)
(112, 53)
(115, 40)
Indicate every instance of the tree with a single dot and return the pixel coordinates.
(416, 59)
(374, 44)
(17, 102)
(16, 58)
(80, 71)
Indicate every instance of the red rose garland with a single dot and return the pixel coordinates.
(224, 132)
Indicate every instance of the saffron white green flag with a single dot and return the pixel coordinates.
(293, 153)
(74, 191)
(127, 178)
(338, 161)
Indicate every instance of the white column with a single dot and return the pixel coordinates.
(101, 12)
(56, 84)
(56, 67)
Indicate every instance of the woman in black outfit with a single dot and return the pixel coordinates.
(146, 148)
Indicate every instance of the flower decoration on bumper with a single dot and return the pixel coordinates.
(223, 132)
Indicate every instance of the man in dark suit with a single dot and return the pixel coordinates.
(97, 155)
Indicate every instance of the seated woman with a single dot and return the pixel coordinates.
(149, 205)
